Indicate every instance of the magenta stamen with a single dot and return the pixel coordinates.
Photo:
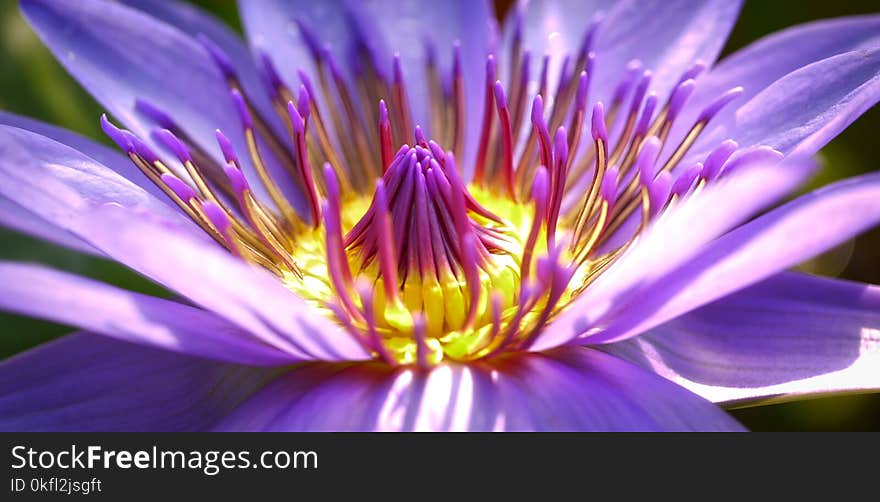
(366, 293)
(598, 130)
(174, 144)
(716, 159)
(692, 73)
(226, 147)
(658, 193)
(647, 114)
(116, 134)
(302, 104)
(244, 115)
(557, 182)
(540, 126)
(720, 102)
(421, 140)
(646, 164)
(540, 191)
(155, 114)
(387, 261)
(679, 97)
(608, 188)
(337, 265)
(143, 149)
(270, 75)
(302, 156)
(507, 138)
(632, 71)
(686, 180)
(181, 189)
(488, 116)
(224, 64)
(220, 221)
(384, 136)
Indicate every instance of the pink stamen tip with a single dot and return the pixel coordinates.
(537, 110)
(685, 181)
(181, 189)
(224, 64)
(679, 97)
(641, 91)
(693, 72)
(332, 184)
(383, 113)
(590, 35)
(647, 114)
(608, 188)
(174, 144)
(397, 70)
(306, 81)
(716, 159)
(154, 113)
(658, 193)
(295, 119)
(270, 74)
(241, 107)
(420, 137)
(632, 72)
(236, 179)
(116, 134)
(598, 123)
(720, 102)
(456, 59)
(500, 98)
(646, 163)
(217, 216)
(143, 149)
(226, 147)
(580, 100)
(302, 103)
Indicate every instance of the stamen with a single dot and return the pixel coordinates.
(486, 129)
(507, 138)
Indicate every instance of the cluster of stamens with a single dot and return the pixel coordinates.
(413, 261)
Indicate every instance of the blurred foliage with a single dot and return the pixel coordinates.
(32, 83)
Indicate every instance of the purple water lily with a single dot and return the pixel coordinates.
(394, 216)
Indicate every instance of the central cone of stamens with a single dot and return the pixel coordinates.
(429, 247)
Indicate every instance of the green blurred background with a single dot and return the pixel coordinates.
(32, 83)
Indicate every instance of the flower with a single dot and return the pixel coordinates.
(566, 238)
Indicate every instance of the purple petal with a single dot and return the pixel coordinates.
(667, 37)
(755, 251)
(760, 64)
(111, 158)
(37, 291)
(573, 389)
(218, 281)
(122, 55)
(87, 382)
(56, 184)
(194, 21)
(23, 220)
(788, 337)
(671, 242)
(802, 111)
